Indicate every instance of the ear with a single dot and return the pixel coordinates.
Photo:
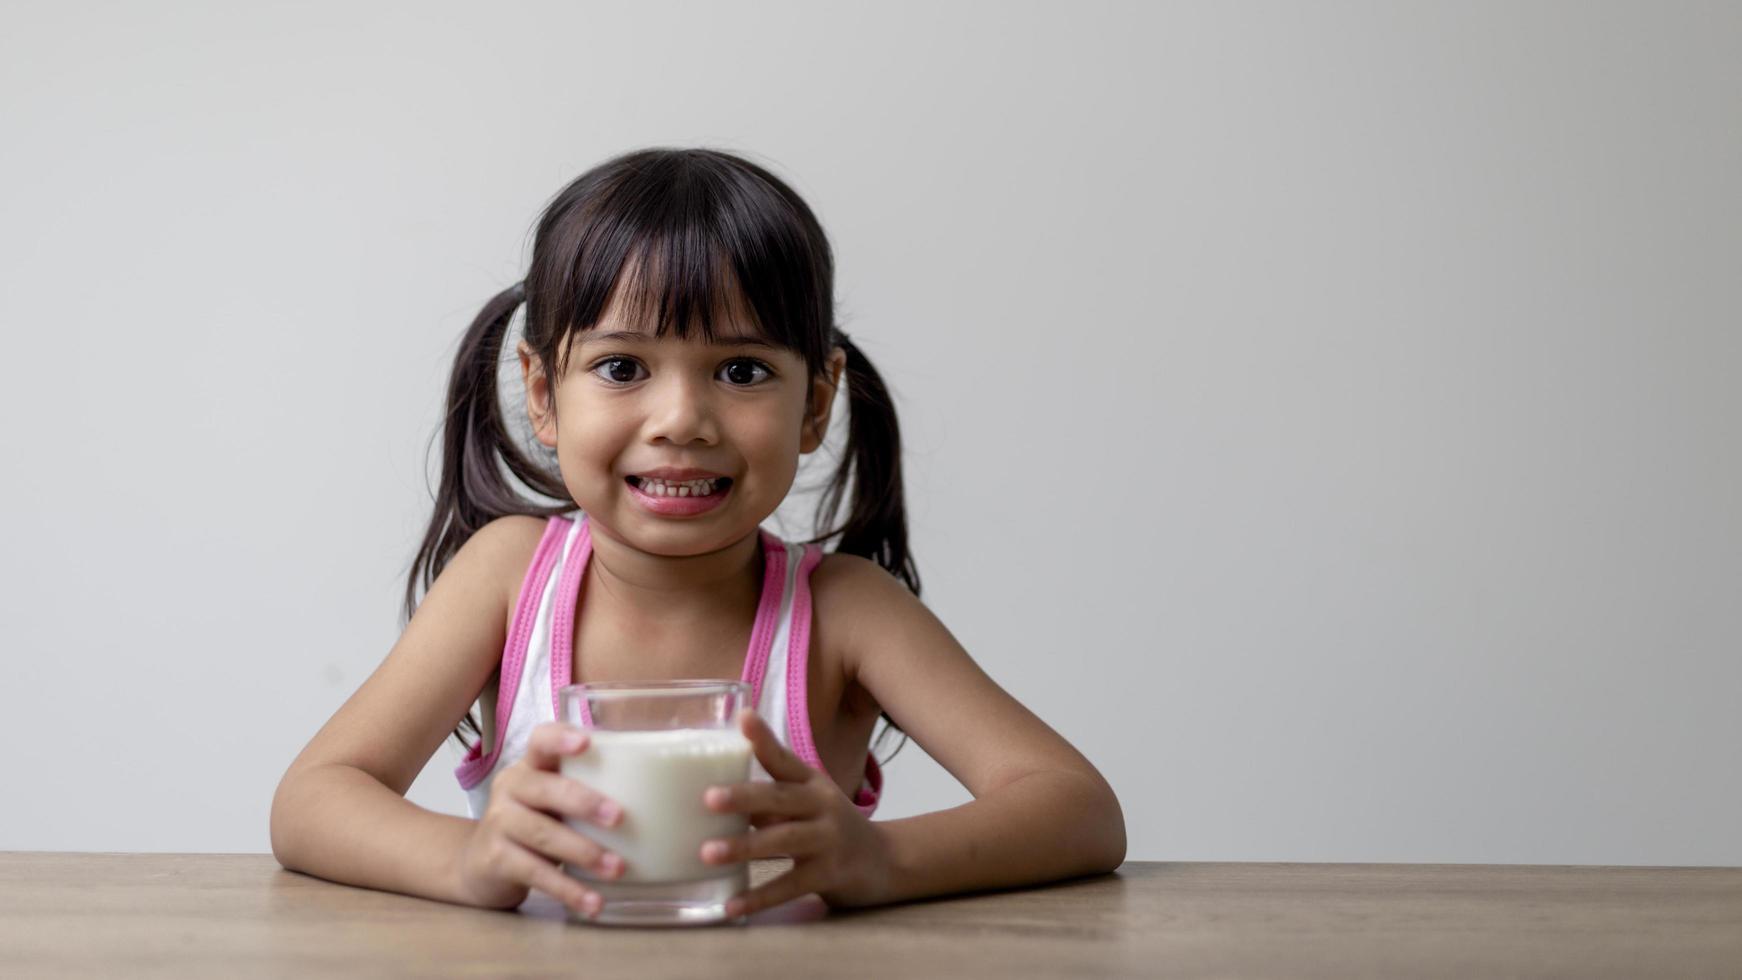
(822, 400)
(538, 396)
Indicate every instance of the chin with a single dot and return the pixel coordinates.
(677, 539)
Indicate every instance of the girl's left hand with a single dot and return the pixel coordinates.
(837, 852)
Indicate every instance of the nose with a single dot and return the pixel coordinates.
(682, 413)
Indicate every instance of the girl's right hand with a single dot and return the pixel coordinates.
(515, 844)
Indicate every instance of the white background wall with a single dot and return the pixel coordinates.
(1326, 415)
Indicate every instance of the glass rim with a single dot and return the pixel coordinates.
(609, 689)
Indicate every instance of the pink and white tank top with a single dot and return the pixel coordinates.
(538, 658)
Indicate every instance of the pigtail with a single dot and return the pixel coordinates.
(476, 448)
(876, 524)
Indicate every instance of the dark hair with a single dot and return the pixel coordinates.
(694, 224)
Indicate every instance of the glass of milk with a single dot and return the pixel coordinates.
(655, 748)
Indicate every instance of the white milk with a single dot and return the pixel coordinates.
(658, 777)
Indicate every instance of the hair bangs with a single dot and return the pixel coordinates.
(686, 246)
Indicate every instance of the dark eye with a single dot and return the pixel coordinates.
(744, 372)
(617, 370)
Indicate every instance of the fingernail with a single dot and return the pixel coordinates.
(717, 796)
(713, 850)
(573, 741)
(608, 813)
(611, 864)
(592, 904)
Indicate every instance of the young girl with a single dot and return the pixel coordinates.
(680, 355)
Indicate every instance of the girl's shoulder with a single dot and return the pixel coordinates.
(854, 598)
(501, 551)
(506, 539)
(497, 556)
(836, 569)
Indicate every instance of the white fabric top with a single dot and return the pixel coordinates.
(537, 659)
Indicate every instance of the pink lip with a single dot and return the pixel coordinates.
(679, 506)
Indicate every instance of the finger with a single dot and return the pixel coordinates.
(557, 841)
(565, 797)
(524, 866)
(776, 758)
(793, 884)
(763, 799)
(794, 840)
(549, 742)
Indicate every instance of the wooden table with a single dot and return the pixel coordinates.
(242, 915)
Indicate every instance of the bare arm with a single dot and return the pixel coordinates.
(340, 811)
(1041, 811)
(336, 821)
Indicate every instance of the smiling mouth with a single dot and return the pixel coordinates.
(680, 488)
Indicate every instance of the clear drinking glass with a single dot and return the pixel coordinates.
(655, 748)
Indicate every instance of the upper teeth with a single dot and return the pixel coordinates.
(688, 488)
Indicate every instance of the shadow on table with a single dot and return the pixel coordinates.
(796, 912)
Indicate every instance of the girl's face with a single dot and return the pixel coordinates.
(679, 447)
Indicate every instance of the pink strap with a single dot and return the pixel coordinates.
(476, 765)
(798, 715)
(562, 623)
(872, 790)
(767, 615)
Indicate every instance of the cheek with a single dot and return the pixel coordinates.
(589, 438)
(771, 441)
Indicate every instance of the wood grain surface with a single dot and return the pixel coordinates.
(242, 915)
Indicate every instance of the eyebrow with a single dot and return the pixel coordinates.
(620, 336)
